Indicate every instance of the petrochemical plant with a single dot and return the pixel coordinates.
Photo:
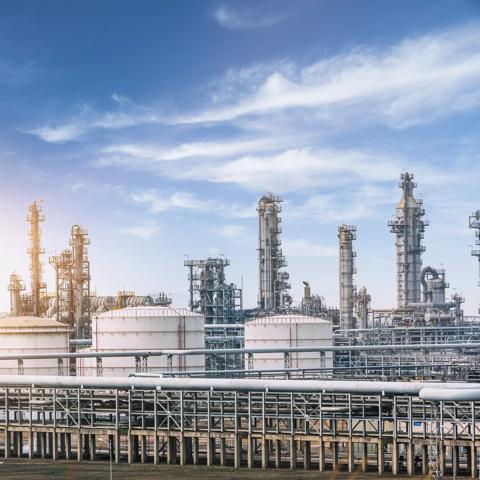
(285, 384)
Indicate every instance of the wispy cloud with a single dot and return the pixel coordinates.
(409, 83)
(412, 82)
(15, 75)
(301, 247)
(158, 203)
(145, 231)
(233, 231)
(238, 18)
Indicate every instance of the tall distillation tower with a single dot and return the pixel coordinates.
(35, 217)
(81, 281)
(409, 228)
(273, 282)
(346, 235)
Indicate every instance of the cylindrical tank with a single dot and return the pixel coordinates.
(145, 328)
(289, 331)
(32, 335)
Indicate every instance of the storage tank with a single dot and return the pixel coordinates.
(289, 331)
(32, 335)
(145, 328)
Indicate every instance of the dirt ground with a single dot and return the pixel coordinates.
(43, 470)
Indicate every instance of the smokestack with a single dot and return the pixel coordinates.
(346, 235)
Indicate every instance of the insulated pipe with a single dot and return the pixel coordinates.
(458, 394)
(233, 351)
(320, 386)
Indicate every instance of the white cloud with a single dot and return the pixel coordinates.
(243, 19)
(296, 169)
(232, 231)
(146, 231)
(142, 155)
(158, 203)
(302, 247)
(411, 82)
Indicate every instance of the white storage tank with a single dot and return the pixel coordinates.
(281, 331)
(145, 328)
(32, 335)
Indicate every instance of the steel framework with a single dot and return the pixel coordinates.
(243, 425)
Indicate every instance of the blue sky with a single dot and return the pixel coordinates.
(158, 124)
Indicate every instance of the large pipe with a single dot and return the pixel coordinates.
(320, 386)
(242, 351)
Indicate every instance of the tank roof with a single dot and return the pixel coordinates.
(282, 319)
(149, 311)
(30, 322)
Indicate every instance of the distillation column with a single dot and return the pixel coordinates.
(273, 282)
(35, 217)
(409, 228)
(362, 304)
(346, 235)
(81, 281)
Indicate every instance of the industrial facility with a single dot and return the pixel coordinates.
(281, 384)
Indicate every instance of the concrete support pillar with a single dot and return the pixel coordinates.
(321, 455)
(130, 448)
(443, 459)
(211, 446)
(92, 447)
(38, 444)
(351, 457)
(250, 451)
(380, 456)
(237, 451)
(54, 446)
(472, 461)
(19, 445)
(293, 454)
(79, 447)
(171, 450)
(334, 449)
(410, 458)
(223, 452)
(143, 449)
(181, 443)
(155, 449)
(30, 444)
(278, 453)
(394, 457)
(195, 451)
(116, 446)
(265, 452)
(425, 466)
(364, 454)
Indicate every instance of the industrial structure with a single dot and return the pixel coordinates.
(390, 390)
(273, 279)
(408, 228)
